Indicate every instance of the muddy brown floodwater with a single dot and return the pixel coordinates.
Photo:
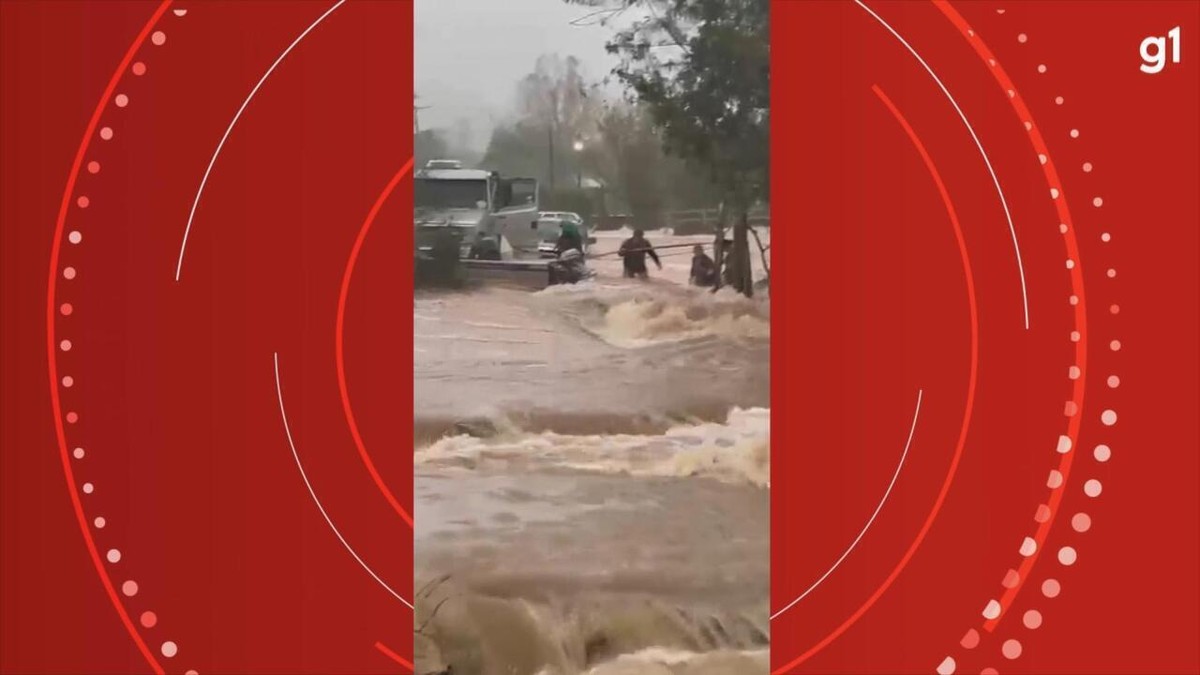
(592, 476)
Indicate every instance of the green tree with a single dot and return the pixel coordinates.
(702, 70)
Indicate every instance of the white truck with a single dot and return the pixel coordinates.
(491, 217)
(474, 224)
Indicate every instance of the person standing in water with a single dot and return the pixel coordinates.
(633, 252)
(704, 270)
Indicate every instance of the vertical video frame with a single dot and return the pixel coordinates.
(591, 336)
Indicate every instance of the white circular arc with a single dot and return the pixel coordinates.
(995, 181)
(204, 181)
(288, 430)
(870, 520)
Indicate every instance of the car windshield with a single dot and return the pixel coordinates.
(449, 194)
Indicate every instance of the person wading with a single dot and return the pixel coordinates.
(704, 270)
(633, 252)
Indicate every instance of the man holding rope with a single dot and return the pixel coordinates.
(633, 252)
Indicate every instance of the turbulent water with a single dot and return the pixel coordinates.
(592, 475)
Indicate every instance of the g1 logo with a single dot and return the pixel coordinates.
(1154, 51)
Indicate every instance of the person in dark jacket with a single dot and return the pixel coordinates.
(704, 270)
(633, 252)
(569, 238)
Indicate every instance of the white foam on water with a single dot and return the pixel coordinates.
(736, 451)
(656, 660)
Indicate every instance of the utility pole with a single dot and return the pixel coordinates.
(553, 118)
(416, 115)
(550, 137)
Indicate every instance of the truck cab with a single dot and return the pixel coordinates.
(490, 217)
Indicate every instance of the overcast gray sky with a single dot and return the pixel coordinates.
(469, 55)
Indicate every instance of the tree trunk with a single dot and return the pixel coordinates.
(762, 252)
(719, 253)
(743, 279)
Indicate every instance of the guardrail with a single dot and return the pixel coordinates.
(686, 221)
(703, 221)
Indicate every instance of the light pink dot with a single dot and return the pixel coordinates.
(1112, 273)
(1102, 453)
(158, 37)
(1042, 68)
(1082, 522)
(66, 309)
(1106, 237)
(1055, 480)
(1062, 228)
(1108, 417)
(75, 237)
(65, 345)
(106, 133)
(191, 672)
(72, 417)
(68, 381)
(1074, 300)
(1067, 556)
(970, 640)
(113, 555)
(88, 488)
(100, 522)
(1058, 100)
(1051, 588)
(1070, 408)
(1087, 167)
(149, 619)
(1011, 579)
(989, 671)
(1074, 133)
(1074, 372)
(1113, 381)
(78, 453)
(1097, 202)
(139, 68)
(1093, 488)
(169, 649)
(93, 167)
(1115, 345)
(1115, 309)
(1033, 619)
(69, 273)
(1042, 514)
(1022, 38)
(83, 201)
(1070, 264)
(1011, 649)
(1028, 547)
(122, 100)
(992, 609)
(129, 588)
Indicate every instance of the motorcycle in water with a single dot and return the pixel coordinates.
(569, 268)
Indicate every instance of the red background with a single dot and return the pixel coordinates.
(871, 307)
(174, 381)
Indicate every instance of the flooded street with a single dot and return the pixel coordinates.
(592, 474)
